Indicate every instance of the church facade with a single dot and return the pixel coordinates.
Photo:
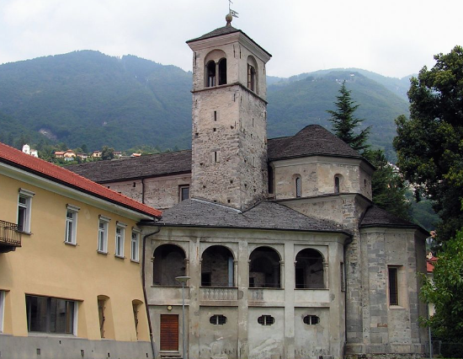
(287, 257)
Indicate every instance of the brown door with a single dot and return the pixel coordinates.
(169, 332)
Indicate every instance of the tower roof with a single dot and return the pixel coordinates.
(225, 30)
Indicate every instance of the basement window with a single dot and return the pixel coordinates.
(266, 320)
(218, 319)
(311, 320)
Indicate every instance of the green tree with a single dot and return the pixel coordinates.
(345, 124)
(445, 291)
(388, 187)
(107, 153)
(429, 145)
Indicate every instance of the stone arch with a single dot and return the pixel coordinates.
(215, 70)
(264, 268)
(217, 267)
(309, 269)
(252, 74)
(169, 262)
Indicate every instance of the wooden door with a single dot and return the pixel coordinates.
(169, 332)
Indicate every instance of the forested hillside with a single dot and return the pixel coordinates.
(88, 98)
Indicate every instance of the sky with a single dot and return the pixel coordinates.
(394, 38)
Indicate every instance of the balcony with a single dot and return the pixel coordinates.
(10, 238)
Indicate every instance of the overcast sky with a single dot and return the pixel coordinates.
(394, 37)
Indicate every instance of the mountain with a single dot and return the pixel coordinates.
(86, 97)
(295, 103)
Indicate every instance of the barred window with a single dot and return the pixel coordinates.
(311, 320)
(266, 320)
(218, 319)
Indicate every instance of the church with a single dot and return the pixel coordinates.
(285, 253)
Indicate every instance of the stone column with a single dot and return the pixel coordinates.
(243, 313)
(194, 269)
(289, 284)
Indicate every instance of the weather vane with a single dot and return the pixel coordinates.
(230, 11)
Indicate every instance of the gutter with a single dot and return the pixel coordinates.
(143, 279)
(348, 241)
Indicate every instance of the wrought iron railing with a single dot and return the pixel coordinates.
(9, 235)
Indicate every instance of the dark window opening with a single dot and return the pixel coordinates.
(217, 267)
(251, 78)
(309, 270)
(50, 315)
(311, 320)
(336, 185)
(264, 270)
(266, 320)
(393, 286)
(270, 179)
(210, 68)
(298, 187)
(168, 263)
(218, 319)
(184, 192)
(215, 115)
(222, 71)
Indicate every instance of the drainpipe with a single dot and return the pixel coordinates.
(143, 278)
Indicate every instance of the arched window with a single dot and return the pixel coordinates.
(105, 317)
(252, 74)
(311, 320)
(266, 320)
(309, 270)
(298, 183)
(337, 184)
(217, 267)
(211, 76)
(218, 319)
(223, 72)
(168, 263)
(264, 269)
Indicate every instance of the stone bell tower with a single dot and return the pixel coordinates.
(229, 139)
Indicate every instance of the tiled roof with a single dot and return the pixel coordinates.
(225, 31)
(265, 215)
(217, 32)
(145, 166)
(61, 175)
(376, 216)
(312, 140)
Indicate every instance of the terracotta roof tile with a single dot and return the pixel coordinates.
(61, 175)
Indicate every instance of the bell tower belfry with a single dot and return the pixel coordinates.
(229, 139)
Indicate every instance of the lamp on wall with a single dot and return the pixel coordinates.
(183, 279)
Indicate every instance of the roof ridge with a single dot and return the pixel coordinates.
(215, 204)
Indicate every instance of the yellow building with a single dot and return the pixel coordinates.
(70, 265)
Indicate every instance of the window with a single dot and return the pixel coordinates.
(393, 286)
(311, 320)
(70, 236)
(337, 185)
(184, 192)
(101, 314)
(251, 78)
(2, 309)
(136, 305)
(343, 277)
(50, 315)
(298, 187)
(222, 71)
(135, 246)
(24, 210)
(218, 319)
(120, 239)
(103, 234)
(210, 68)
(266, 320)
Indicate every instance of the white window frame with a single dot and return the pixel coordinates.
(135, 246)
(102, 240)
(27, 207)
(70, 236)
(2, 309)
(120, 239)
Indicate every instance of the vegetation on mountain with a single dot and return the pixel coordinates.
(296, 104)
(430, 144)
(344, 124)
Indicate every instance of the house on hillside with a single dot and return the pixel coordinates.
(70, 264)
(286, 255)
